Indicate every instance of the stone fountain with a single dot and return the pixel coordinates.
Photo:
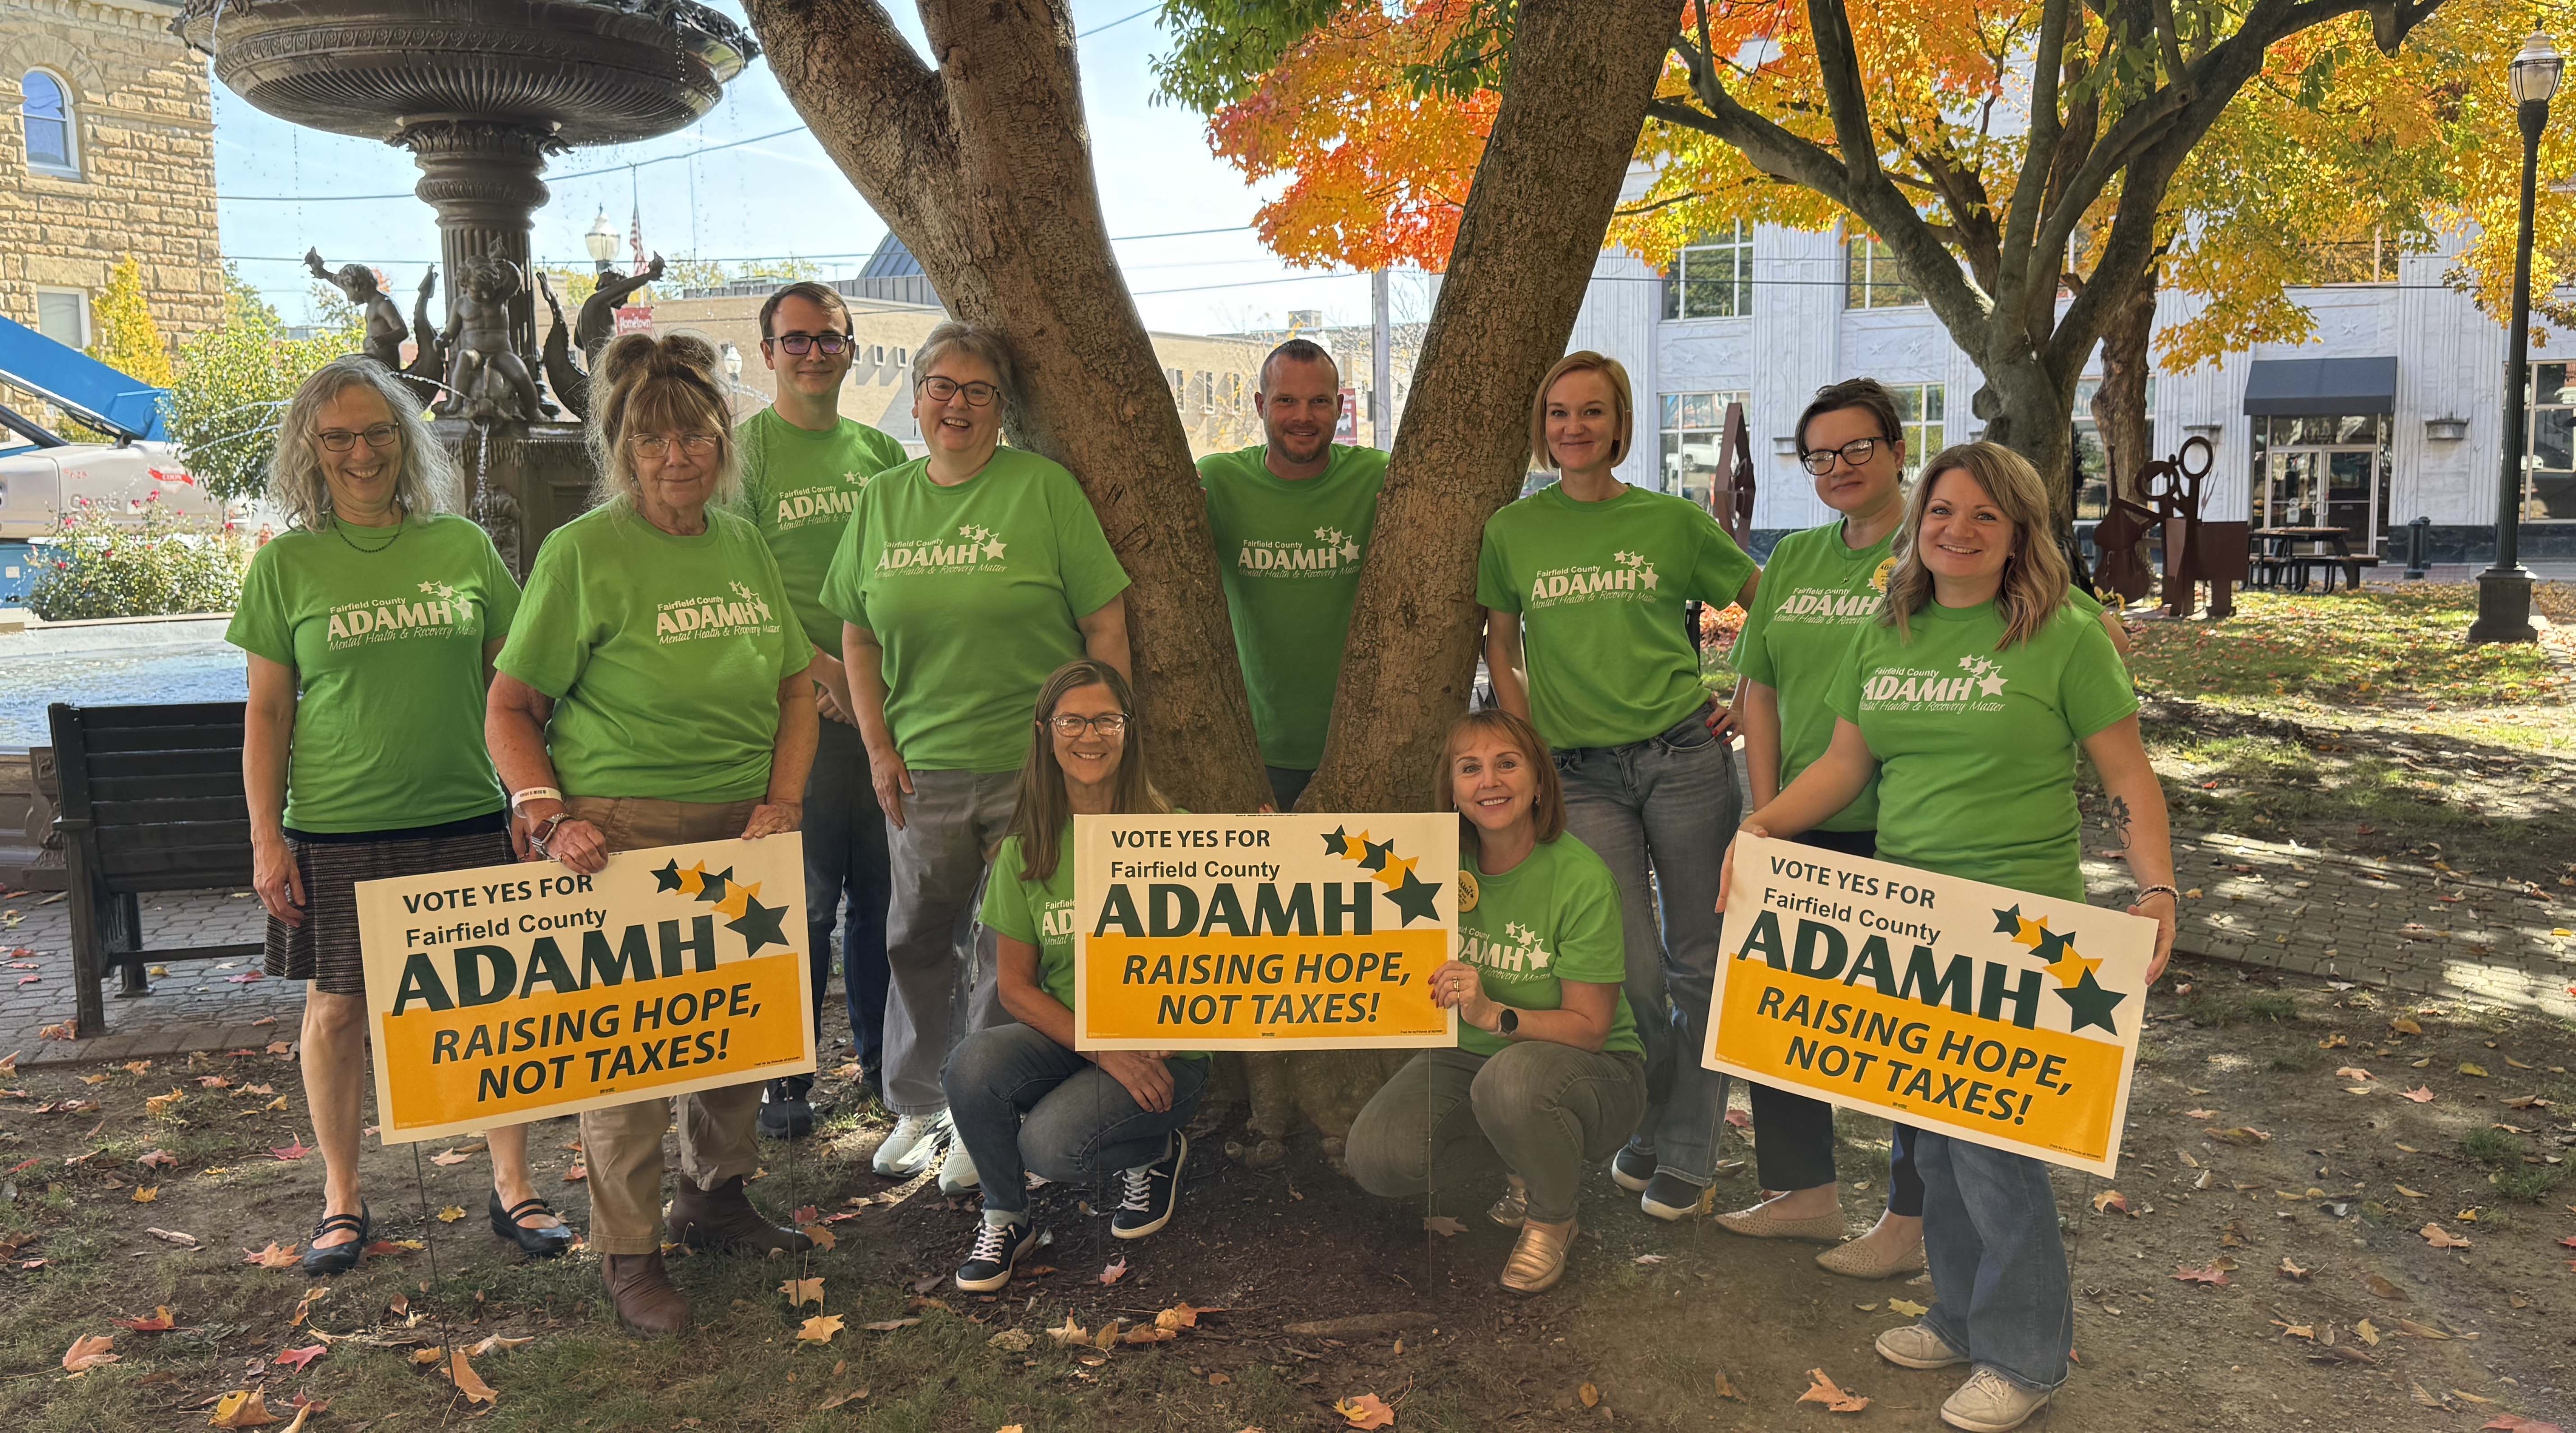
(482, 93)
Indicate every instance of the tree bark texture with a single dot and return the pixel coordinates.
(982, 166)
(2120, 403)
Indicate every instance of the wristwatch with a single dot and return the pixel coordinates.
(1508, 1023)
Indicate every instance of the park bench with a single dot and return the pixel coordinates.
(151, 801)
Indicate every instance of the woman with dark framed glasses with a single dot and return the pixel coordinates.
(362, 752)
(964, 579)
(1023, 1098)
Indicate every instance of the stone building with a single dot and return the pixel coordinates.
(107, 148)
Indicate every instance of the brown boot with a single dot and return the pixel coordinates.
(641, 1289)
(723, 1218)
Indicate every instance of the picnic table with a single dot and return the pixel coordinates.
(2292, 555)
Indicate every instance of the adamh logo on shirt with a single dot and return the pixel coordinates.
(1630, 577)
(1330, 553)
(1519, 953)
(815, 505)
(1826, 605)
(1055, 921)
(1974, 686)
(436, 613)
(741, 615)
(975, 550)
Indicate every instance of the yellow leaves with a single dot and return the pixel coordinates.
(2441, 1238)
(1071, 1334)
(801, 1292)
(2110, 1199)
(1590, 1394)
(1365, 1411)
(145, 1194)
(1907, 1307)
(242, 1408)
(162, 1104)
(451, 1214)
(2475, 1072)
(467, 1381)
(819, 1329)
(498, 1343)
(89, 1351)
(822, 1237)
(1836, 1399)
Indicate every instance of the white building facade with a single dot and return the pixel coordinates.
(2392, 411)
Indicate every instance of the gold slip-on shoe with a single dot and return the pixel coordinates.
(1538, 1260)
(1759, 1222)
(1860, 1259)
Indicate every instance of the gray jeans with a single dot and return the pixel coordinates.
(1450, 1121)
(935, 957)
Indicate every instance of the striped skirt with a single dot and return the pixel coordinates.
(324, 949)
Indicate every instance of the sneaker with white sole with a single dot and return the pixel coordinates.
(1668, 1197)
(1917, 1346)
(1991, 1403)
(999, 1247)
(912, 1145)
(957, 1172)
(1632, 1169)
(1149, 1193)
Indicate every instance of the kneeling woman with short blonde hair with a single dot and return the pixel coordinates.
(1548, 1073)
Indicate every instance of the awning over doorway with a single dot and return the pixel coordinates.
(2322, 386)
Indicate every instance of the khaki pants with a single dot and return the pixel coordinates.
(622, 1144)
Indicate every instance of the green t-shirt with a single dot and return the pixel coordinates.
(387, 647)
(1039, 913)
(798, 487)
(973, 591)
(1976, 746)
(1550, 919)
(1290, 555)
(663, 655)
(1599, 588)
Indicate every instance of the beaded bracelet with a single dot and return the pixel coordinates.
(2147, 891)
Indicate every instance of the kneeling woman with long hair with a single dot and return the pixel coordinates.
(1548, 1073)
(1022, 1096)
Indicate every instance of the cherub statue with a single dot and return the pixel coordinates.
(385, 331)
(598, 321)
(477, 339)
(429, 359)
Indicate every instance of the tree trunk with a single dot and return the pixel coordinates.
(1573, 100)
(983, 168)
(2120, 403)
(2030, 411)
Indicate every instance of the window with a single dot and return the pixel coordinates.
(876, 355)
(46, 111)
(1918, 408)
(1173, 377)
(903, 358)
(2549, 476)
(1712, 278)
(63, 316)
(2092, 459)
(1871, 278)
(1694, 427)
(2363, 261)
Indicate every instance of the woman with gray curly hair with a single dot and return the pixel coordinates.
(653, 693)
(369, 628)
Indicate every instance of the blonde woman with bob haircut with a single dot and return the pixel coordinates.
(1985, 789)
(1583, 584)
(362, 755)
(1022, 1097)
(614, 734)
(1548, 1073)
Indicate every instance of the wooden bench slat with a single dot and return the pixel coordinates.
(112, 818)
(155, 740)
(210, 952)
(192, 786)
(107, 718)
(129, 765)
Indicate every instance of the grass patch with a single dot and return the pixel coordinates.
(2384, 645)
(2290, 1064)
(2528, 1183)
(2278, 1009)
(2491, 1146)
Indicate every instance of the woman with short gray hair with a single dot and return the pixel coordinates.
(369, 628)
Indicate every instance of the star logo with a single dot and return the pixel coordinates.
(1396, 869)
(993, 551)
(1415, 898)
(1991, 686)
(1648, 578)
(2008, 922)
(446, 591)
(668, 878)
(429, 587)
(1539, 958)
(1338, 843)
(2087, 1003)
(1323, 534)
(1350, 552)
(759, 925)
(1354, 847)
(737, 898)
(1373, 857)
(711, 884)
(2064, 961)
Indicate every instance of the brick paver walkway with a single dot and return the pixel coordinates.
(2415, 929)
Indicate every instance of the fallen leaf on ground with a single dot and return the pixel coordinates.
(2293, 1270)
(2111, 1199)
(1011, 1341)
(214, 1082)
(2211, 1273)
(2415, 1330)
(2242, 1134)
(823, 1238)
(886, 1325)
(1182, 1316)
(2421, 1094)
(2404, 1026)
(467, 1381)
(1070, 1334)
(2383, 1288)
(1117, 1270)
(1825, 1391)
(819, 1329)
(450, 1156)
(498, 1343)
(174, 1236)
(1444, 1226)
(837, 1399)
(160, 1104)
(242, 1408)
(296, 1358)
(280, 1047)
(145, 1193)
(1365, 1411)
(385, 1248)
(1726, 1387)
(2369, 1332)
(2412, 1193)
(274, 1257)
(576, 1174)
(801, 1292)
(294, 1151)
(276, 1104)
(1149, 1333)
(2352, 1072)
(1907, 1307)
(157, 1159)
(2477, 1072)
(89, 1351)
(451, 1214)
(1590, 1395)
(1650, 1258)
(160, 1322)
(2289, 1330)
(2441, 1238)
(2514, 1423)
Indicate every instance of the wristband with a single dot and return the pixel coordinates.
(2147, 891)
(521, 798)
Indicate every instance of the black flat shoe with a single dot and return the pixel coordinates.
(536, 1243)
(325, 1259)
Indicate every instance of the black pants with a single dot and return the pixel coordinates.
(1794, 1135)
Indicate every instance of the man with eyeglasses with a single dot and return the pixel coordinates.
(1292, 518)
(803, 466)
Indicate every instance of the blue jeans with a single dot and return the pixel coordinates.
(1999, 1280)
(1023, 1102)
(1660, 812)
(845, 857)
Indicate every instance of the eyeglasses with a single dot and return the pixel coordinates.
(1070, 726)
(1820, 461)
(800, 344)
(657, 446)
(978, 394)
(341, 440)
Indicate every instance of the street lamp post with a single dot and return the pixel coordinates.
(2504, 590)
(601, 241)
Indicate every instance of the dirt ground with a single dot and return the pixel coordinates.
(2246, 1144)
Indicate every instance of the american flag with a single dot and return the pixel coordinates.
(635, 237)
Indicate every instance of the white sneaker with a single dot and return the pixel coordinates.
(1917, 1346)
(913, 1145)
(957, 1172)
(1991, 1403)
